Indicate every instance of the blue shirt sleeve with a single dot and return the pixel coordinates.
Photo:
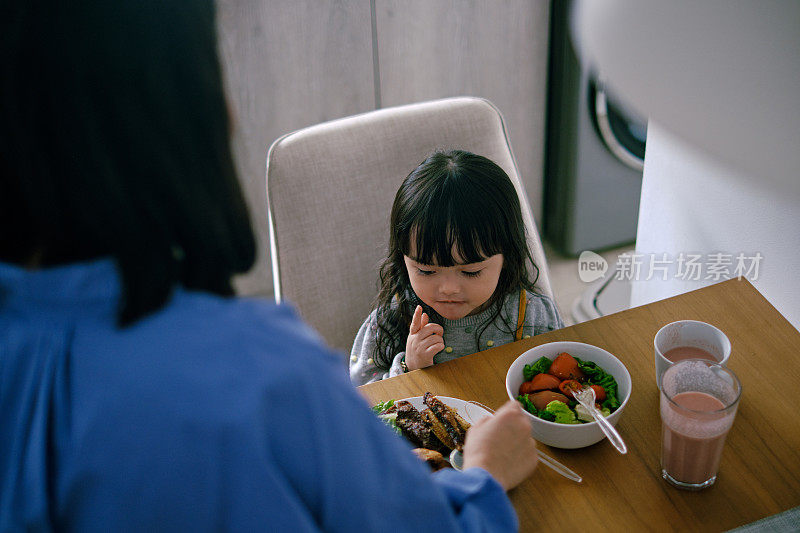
(472, 492)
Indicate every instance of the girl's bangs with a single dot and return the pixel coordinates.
(453, 237)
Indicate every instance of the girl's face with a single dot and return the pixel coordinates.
(457, 291)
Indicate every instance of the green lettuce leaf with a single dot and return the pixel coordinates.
(598, 376)
(382, 406)
(540, 366)
(389, 420)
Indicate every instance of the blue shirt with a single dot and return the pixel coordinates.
(211, 413)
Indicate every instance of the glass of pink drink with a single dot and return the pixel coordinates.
(698, 404)
(689, 339)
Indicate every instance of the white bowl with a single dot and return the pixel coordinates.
(570, 435)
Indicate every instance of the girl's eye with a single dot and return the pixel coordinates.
(425, 272)
(472, 274)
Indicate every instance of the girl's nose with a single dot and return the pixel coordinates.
(449, 286)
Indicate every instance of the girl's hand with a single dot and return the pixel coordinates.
(502, 445)
(424, 340)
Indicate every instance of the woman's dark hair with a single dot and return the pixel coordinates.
(453, 200)
(115, 132)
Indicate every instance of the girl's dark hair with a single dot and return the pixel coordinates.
(452, 200)
(115, 143)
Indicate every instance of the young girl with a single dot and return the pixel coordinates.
(457, 279)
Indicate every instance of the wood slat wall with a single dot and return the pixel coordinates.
(497, 50)
(293, 63)
(289, 64)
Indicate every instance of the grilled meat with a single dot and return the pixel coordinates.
(463, 424)
(448, 419)
(438, 428)
(434, 459)
(435, 431)
(415, 428)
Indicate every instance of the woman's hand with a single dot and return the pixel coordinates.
(503, 446)
(424, 340)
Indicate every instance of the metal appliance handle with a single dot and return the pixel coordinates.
(604, 125)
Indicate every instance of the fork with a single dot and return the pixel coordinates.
(457, 458)
(585, 396)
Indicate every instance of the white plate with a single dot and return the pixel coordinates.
(468, 411)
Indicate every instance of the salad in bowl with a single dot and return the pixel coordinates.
(541, 380)
(547, 391)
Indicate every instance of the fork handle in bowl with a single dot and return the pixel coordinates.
(609, 430)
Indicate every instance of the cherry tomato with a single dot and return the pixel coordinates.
(544, 382)
(527, 387)
(599, 392)
(568, 385)
(565, 367)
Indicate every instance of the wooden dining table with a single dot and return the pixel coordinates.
(759, 474)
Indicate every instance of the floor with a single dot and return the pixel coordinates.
(568, 286)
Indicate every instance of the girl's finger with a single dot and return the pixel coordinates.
(425, 319)
(416, 320)
(432, 328)
(432, 340)
(434, 349)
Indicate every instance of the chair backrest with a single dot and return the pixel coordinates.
(330, 189)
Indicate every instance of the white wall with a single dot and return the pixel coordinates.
(692, 204)
(722, 76)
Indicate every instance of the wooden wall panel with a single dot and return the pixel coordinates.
(289, 64)
(496, 49)
(293, 63)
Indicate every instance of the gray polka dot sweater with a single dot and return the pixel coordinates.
(541, 316)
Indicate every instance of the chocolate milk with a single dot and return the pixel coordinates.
(693, 437)
(681, 353)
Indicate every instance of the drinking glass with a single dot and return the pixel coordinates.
(698, 404)
(689, 339)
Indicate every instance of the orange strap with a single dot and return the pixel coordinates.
(523, 303)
